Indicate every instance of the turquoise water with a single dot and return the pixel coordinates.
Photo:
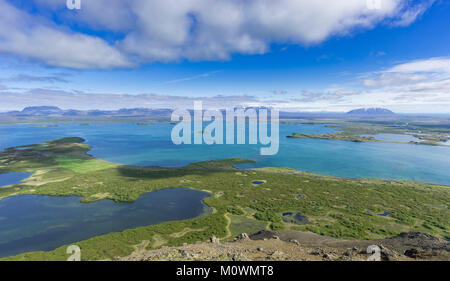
(12, 178)
(129, 143)
(29, 223)
(39, 223)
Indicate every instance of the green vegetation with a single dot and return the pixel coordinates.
(352, 131)
(433, 138)
(338, 207)
(83, 165)
(43, 126)
(334, 136)
(242, 224)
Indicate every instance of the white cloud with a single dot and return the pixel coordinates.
(439, 64)
(430, 75)
(25, 35)
(416, 86)
(420, 84)
(409, 15)
(170, 30)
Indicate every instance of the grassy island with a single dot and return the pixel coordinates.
(338, 207)
(335, 136)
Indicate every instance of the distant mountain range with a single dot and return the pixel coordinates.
(35, 113)
(53, 111)
(371, 111)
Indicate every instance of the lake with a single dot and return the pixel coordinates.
(133, 144)
(30, 223)
(40, 223)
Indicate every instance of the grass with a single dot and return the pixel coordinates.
(335, 136)
(242, 224)
(84, 165)
(338, 207)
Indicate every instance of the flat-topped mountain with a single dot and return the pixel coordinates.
(371, 111)
(41, 110)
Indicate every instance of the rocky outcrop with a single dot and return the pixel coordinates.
(297, 245)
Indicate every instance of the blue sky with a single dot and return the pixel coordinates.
(296, 55)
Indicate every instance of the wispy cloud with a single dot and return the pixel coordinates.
(195, 77)
(33, 78)
(426, 76)
(413, 12)
(279, 92)
(336, 95)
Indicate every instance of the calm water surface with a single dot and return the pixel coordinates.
(39, 223)
(129, 143)
(29, 223)
(12, 178)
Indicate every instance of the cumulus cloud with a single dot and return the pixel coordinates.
(32, 37)
(171, 30)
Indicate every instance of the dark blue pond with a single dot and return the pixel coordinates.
(385, 214)
(34, 223)
(257, 182)
(295, 218)
(12, 178)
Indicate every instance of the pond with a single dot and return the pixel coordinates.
(295, 218)
(12, 178)
(42, 223)
(258, 182)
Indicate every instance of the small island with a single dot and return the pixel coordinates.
(335, 136)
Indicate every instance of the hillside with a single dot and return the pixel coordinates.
(301, 246)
